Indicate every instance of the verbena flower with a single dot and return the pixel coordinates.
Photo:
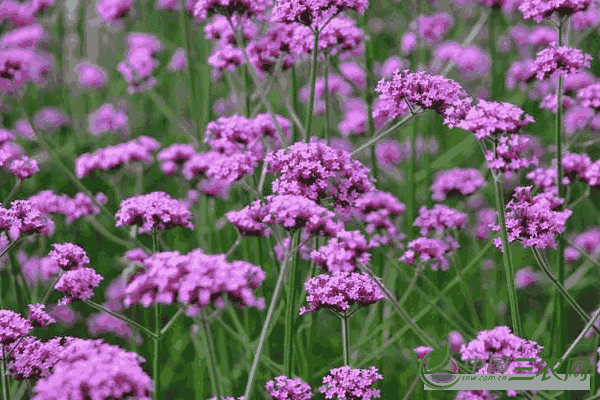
(207, 8)
(532, 220)
(560, 60)
(49, 117)
(543, 35)
(107, 118)
(546, 178)
(508, 156)
(422, 351)
(23, 167)
(284, 388)
(340, 35)
(489, 119)
(153, 211)
(111, 10)
(456, 181)
(33, 359)
(433, 250)
(433, 27)
(344, 252)
(178, 61)
(485, 218)
(538, 10)
(439, 218)
(590, 96)
(476, 395)
(12, 327)
(349, 383)
(319, 172)
(226, 57)
(263, 52)
(137, 69)
(144, 40)
(19, 67)
(78, 284)
(51, 203)
(525, 277)
(104, 322)
(340, 291)
(27, 37)
(591, 331)
(69, 256)
(24, 218)
(174, 156)
(220, 29)
(314, 12)
(455, 340)
(38, 317)
(577, 119)
(582, 20)
(90, 76)
(100, 370)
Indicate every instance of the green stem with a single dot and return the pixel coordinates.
(194, 104)
(294, 99)
(265, 328)
(468, 298)
(346, 337)
(212, 358)
(327, 122)
(290, 312)
(495, 15)
(587, 327)
(156, 348)
(370, 57)
(11, 193)
(594, 377)
(508, 262)
(5, 391)
(412, 167)
(313, 83)
(121, 317)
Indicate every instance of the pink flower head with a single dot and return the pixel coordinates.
(455, 340)
(582, 20)
(348, 383)
(392, 64)
(560, 60)
(38, 317)
(355, 73)
(508, 156)
(377, 209)
(490, 118)
(340, 35)
(154, 211)
(485, 218)
(90, 76)
(577, 118)
(589, 241)
(178, 60)
(538, 10)
(473, 62)
(533, 220)
(137, 70)
(545, 178)
(439, 219)
(73, 209)
(233, 135)
(263, 52)
(214, 188)
(98, 369)
(112, 10)
(49, 117)
(266, 128)
(437, 93)
(24, 218)
(12, 327)
(340, 291)
(32, 359)
(422, 351)
(78, 284)
(525, 277)
(26, 37)
(174, 156)
(208, 8)
(543, 35)
(23, 167)
(226, 57)
(409, 43)
(590, 96)
(136, 255)
(429, 249)
(107, 119)
(520, 74)
(456, 181)
(19, 67)
(314, 12)
(389, 153)
(343, 252)
(220, 29)
(318, 172)
(69, 256)
(144, 41)
(433, 27)
(284, 388)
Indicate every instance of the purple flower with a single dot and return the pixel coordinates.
(476, 395)
(455, 340)
(389, 153)
(538, 10)
(69, 256)
(525, 277)
(33, 359)
(13, 327)
(154, 211)
(107, 119)
(24, 218)
(409, 43)
(23, 167)
(582, 20)
(485, 218)
(318, 172)
(178, 60)
(144, 41)
(104, 322)
(18, 67)
(309, 12)
(284, 388)
(429, 250)
(220, 29)
(38, 317)
(90, 76)
(377, 209)
(78, 284)
(263, 52)
(340, 35)
(422, 351)
(433, 27)
(577, 119)
(26, 37)
(111, 10)
(340, 291)
(226, 57)
(437, 93)
(348, 383)
(456, 181)
(174, 156)
(560, 60)
(343, 252)
(520, 73)
(208, 8)
(73, 209)
(353, 72)
(533, 220)
(49, 117)
(590, 96)
(543, 35)
(98, 369)
(508, 156)
(137, 70)
(490, 118)
(439, 219)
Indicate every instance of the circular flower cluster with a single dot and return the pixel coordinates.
(24, 218)
(78, 284)
(228, 8)
(439, 219)
(318, 172)
(33, 359)
(590, 96)
(156, 210)
(343, 252)
(349, 383)
(107, 118)
(291, 212)
(538, 10)
(340, 291)
(533, 220)
(311, 12)
(508, 154)
(82, 205)
(432, 92)
(456, 181)
(560, 60)
(284, 388)
(69, 256)
(98, 369)
(429, 249)
(340, 35)
(490, 118)
(38, 317)
(12, 327)
(174, 156)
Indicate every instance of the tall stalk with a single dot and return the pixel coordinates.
(370, 56)
(313, 83)
(346, 337)
(212, 358)
(5, 391)
(294, 99)
(327, 122)
(290, 311)
(194, 103)
(157, 329)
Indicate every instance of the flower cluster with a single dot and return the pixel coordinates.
(560, 60)
(340, 35)
(456, 181)
(78, 284)
(154, 211)
(434, 250)
(174, 156)
(283, 388)
(38, 317)
(349, 383)
(208, 8)
(538, 10)
(343, 252)
(69, 256)
(314, 12)
(33, 359)
(107, 119)
(112, 157)
(24, 218)
(439, 219)
(340, 291)
(82, 205)
(13, 327)
(138, 66)
(508, 157)
(195, 280)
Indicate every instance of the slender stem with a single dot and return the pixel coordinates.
(563, 291)
(508, 262)
(594, 377)
(327, 122)
(212, 358)
(5, 391)
(495, 16)
(313, 83)
(560, 321)
(370, 56)
(194, 104)
(156, 348)
(265, 328)
(50, 288)
(11, 193)
(346, 337)
(294, 99)
(122, 318)
(412, 283)
(10, 245)
(588, 326)
(468, 298)
(290, 312)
